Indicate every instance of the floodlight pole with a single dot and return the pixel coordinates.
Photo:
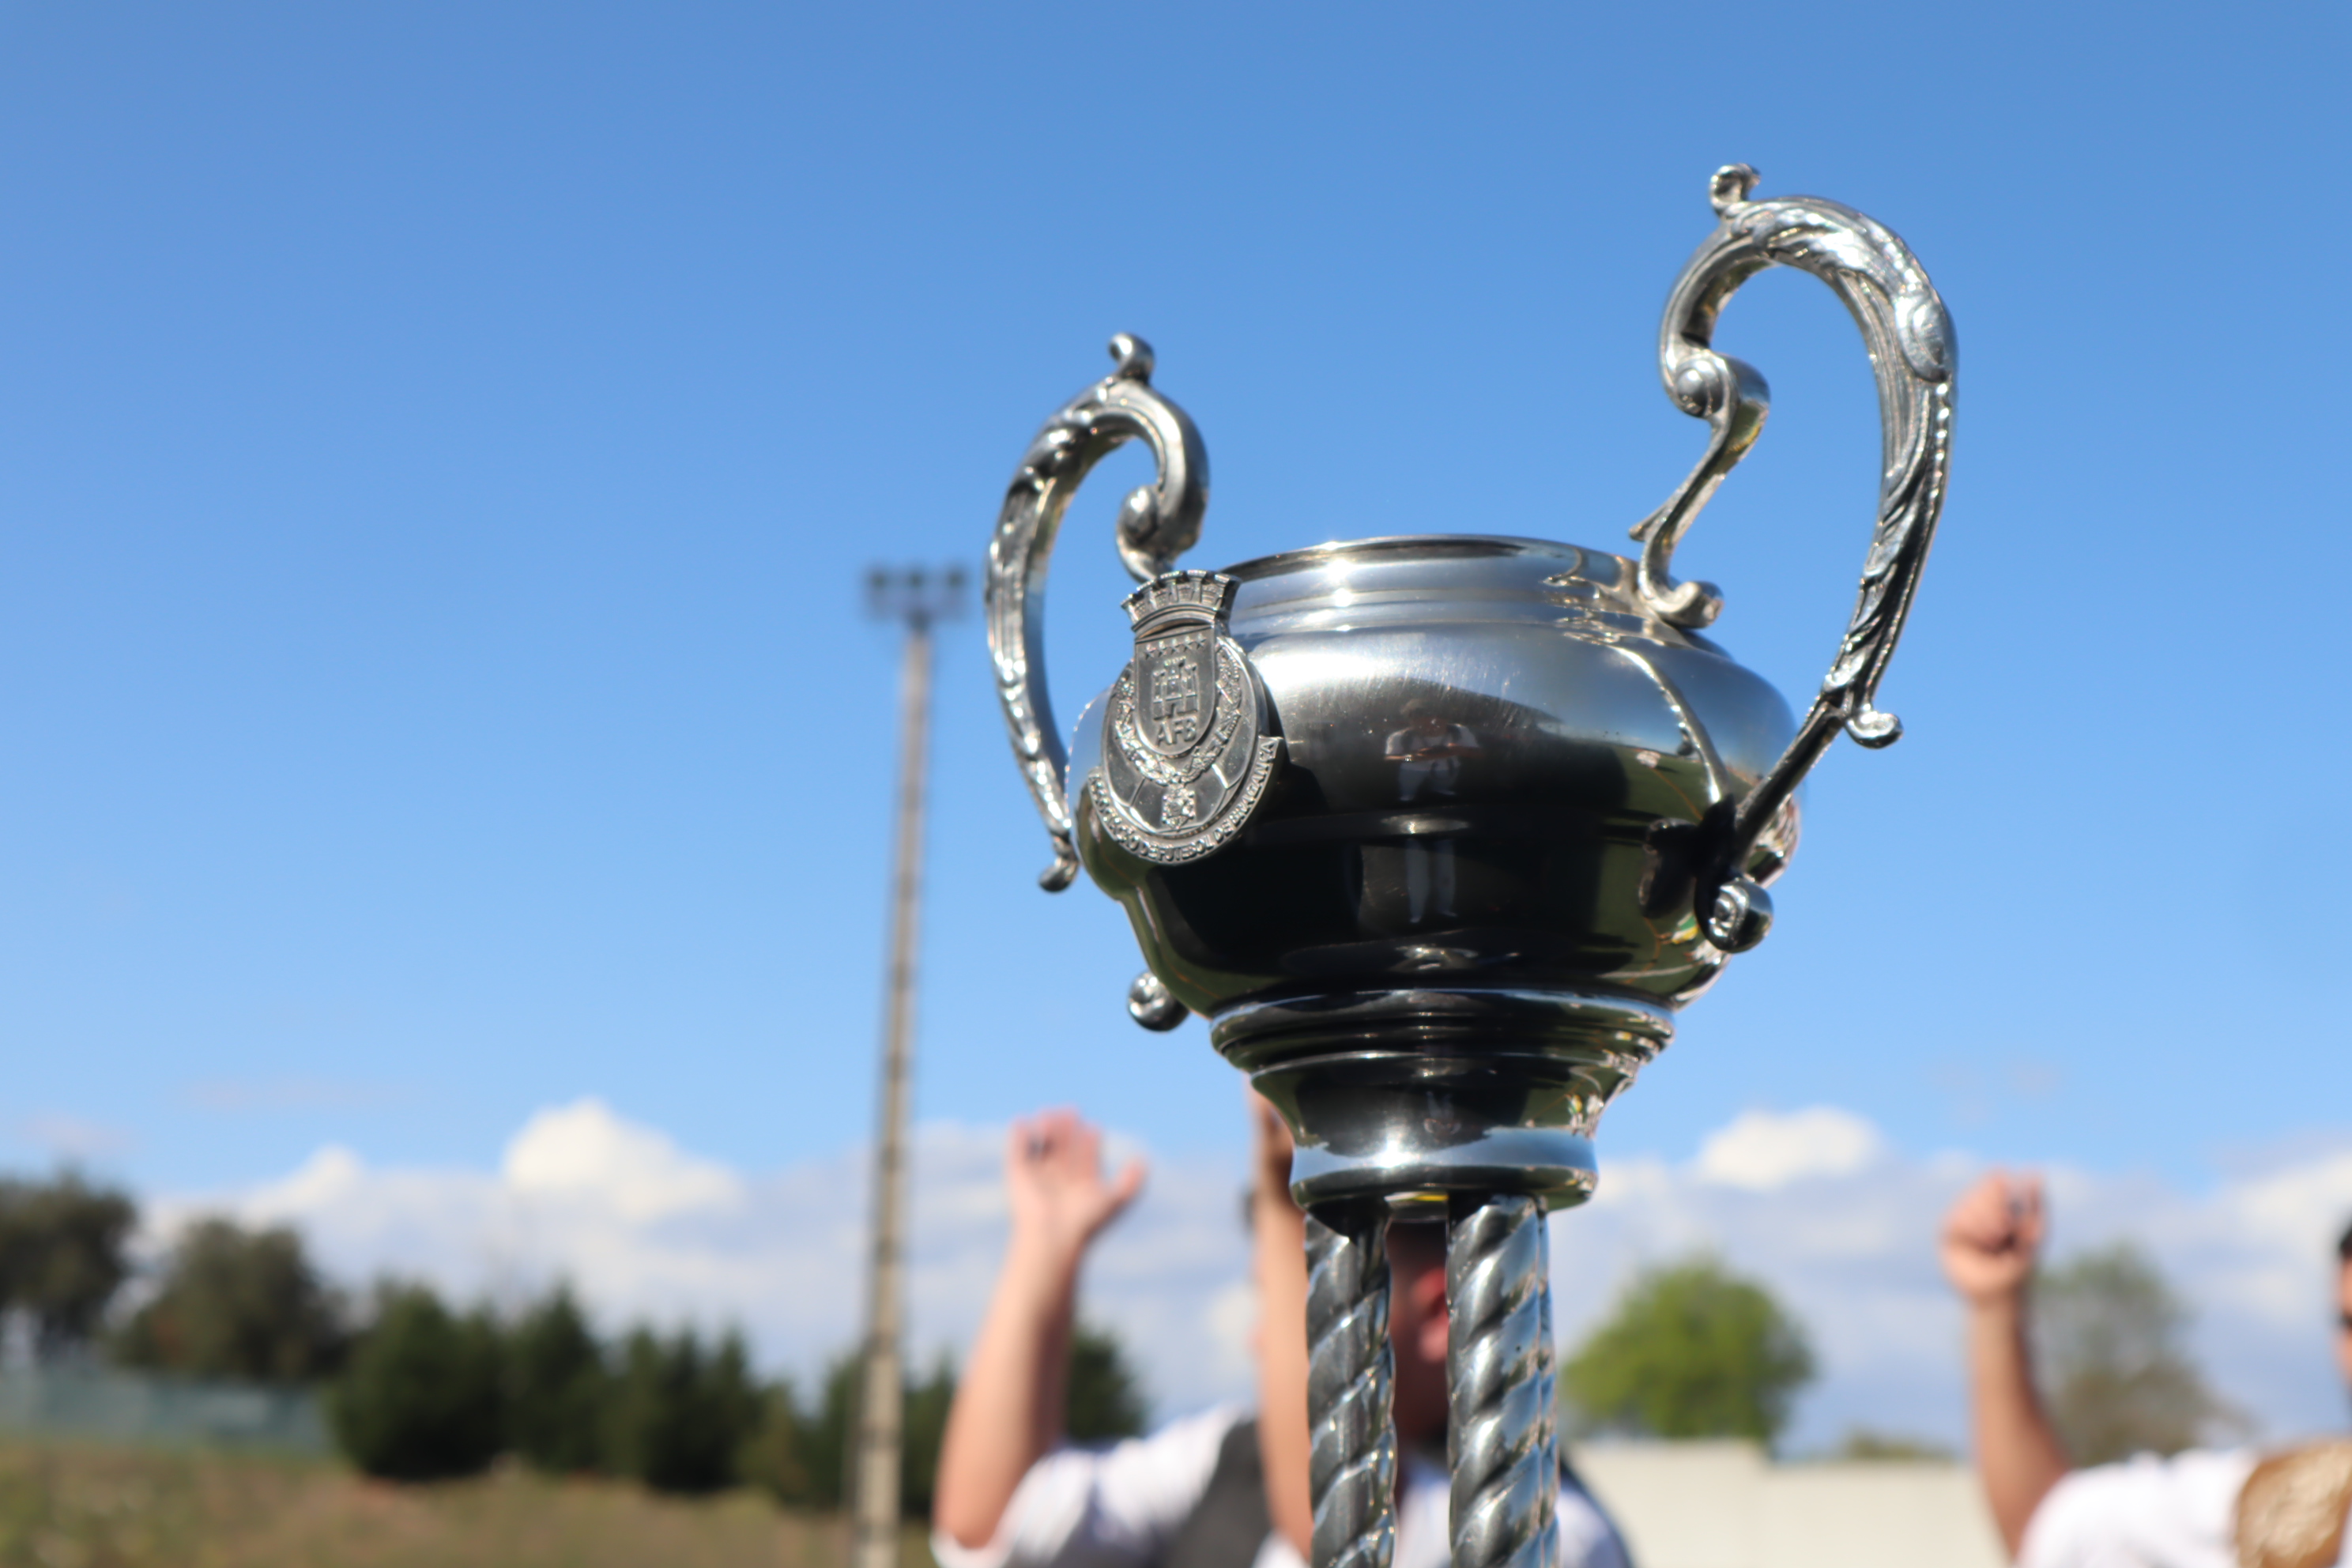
(915, 600)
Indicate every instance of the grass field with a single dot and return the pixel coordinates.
(80, 1506)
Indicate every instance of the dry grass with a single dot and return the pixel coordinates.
(75, 1506)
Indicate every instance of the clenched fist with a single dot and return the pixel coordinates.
(1991, 1238)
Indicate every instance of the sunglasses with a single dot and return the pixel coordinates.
(2345, 1319)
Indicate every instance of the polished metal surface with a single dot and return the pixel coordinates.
(1501, 1442)
(1497, 770)
(1440, 1089)
(1186, 755)
(1908, 335)
(1352, 1453)
(1148, 1003)
(1499, 777)
(1157, 523)
(1506, 808)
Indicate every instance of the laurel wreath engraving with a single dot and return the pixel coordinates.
(1171, 850)
(1233, 694)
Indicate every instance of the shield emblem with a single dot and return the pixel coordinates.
(1176, 689)
(1185, 754)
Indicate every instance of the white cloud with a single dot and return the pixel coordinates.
(582, 1153)
(1814, 1203)
(330, 1173)
(1761, 1151)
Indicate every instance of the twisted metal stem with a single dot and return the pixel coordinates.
(1499, 1438)
(1352, 1462)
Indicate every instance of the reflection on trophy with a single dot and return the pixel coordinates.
(1439, 831)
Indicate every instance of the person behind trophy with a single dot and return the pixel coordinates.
(1221, 1489)
(2201, 1508)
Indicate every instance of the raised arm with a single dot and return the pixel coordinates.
(1278, 1258)
(1990, 1242)
(1009, 1406)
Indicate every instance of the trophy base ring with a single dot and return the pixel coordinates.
(1414, 1094)
(1553, 1166)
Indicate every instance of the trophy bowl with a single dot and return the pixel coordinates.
(1497, 768)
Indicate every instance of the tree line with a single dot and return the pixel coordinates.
(1693, 1350)
(418, 1388)
(430, 1392)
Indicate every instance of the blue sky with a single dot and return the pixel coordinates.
(439, 447)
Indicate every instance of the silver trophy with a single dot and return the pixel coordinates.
(1438, 831)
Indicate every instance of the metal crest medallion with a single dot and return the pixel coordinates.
(1185, 756)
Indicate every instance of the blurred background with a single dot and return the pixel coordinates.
(448, 762)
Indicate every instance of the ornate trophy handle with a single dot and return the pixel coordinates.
(1157, 523)
(1909, 336)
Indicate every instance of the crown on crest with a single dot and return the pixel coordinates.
(1180, 595)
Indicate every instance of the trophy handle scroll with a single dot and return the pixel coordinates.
(1909, 337)
(1157, 523)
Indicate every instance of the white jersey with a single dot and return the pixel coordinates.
(1118, 1506)
(2148, 1512)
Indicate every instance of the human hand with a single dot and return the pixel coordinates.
(1054, 1176)
(1991, 1238)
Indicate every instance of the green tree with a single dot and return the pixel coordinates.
(1106, 1398)
(237, 1303)
(558, 1387)
(827, 1453)
(925, 1429)
(775, 1458)
(681, 1413)
(63, 1253)
(1692, 1350)
(421, 1397)
(925, 1419)
(2115, 1367)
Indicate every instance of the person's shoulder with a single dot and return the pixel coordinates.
(1187, 1442)
(1129, 1493)
(2164, 1508)
(1207, 1426)
(2192, 1478)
